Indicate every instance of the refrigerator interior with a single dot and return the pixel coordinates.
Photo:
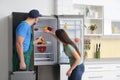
(73, 25)
(45, 54)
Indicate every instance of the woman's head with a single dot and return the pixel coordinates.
(63, 37)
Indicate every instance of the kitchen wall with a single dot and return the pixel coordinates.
(110, 47)
(6, 8)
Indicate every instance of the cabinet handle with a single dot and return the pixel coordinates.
(117, 66)
(95, 67)
(95, 77)
(117, 75)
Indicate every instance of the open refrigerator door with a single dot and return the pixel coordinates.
(73, 25)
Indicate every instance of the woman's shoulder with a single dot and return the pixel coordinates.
(70, 48)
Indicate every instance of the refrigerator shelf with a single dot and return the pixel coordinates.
(70, 24)
(72, 29)
(35, 32)
(43, 53)
(48, 43)
(42, 59)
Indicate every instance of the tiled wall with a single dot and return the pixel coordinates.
(110, 48)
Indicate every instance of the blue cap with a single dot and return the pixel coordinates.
(34, 13)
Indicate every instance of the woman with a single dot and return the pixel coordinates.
(76, 66)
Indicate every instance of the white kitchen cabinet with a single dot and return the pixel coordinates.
(96, 71)
(63, 69)
(115, 26)
(115, 75)
(112, 28)
(102, 75)
(107, 27)
(102, 72)
(94, 76)
(63, 7)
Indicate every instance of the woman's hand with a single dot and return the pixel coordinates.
(69, 73)
(47, 31)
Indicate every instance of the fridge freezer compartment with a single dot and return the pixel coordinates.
(23, 75)
(43, 56)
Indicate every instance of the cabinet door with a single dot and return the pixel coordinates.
(94, 76)
(115, 26)
(63, 7)
(116, 75)
(101, 75)
(107, 27)
(63, 70)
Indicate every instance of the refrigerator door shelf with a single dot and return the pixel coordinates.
(63, 60)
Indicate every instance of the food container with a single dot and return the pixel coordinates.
(41, 48)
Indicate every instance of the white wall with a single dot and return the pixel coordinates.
(46, 7)
(111, 7)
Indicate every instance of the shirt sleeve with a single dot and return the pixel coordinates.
(71, 49)
(21, 30)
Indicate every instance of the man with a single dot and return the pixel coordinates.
(24, 42)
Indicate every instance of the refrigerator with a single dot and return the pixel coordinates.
(73, 25)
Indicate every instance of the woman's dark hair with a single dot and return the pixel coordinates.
(62, 36)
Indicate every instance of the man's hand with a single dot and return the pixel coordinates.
(22, 66)
(40, 39)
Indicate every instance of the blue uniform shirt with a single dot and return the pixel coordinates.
(24, 30)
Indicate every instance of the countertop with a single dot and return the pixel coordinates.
(99, 61)
(102, 61)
